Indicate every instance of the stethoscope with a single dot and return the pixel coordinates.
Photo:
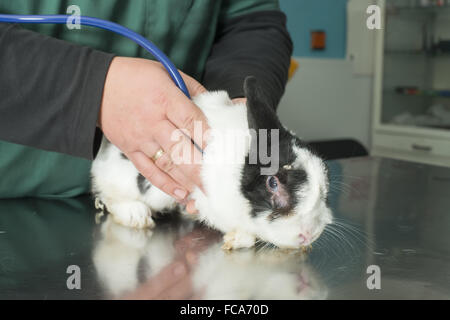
(107, 25)
(111, 26)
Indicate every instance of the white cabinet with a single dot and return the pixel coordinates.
(411, 118)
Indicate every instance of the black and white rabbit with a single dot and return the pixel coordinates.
(287, 209)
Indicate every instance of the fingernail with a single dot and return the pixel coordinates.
(180, 194)
(179, 270)
(193, 211)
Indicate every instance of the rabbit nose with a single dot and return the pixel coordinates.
(302, 238)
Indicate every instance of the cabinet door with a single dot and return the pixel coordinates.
(416, 65)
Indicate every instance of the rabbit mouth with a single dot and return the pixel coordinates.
(302, 240)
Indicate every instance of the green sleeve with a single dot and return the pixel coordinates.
(28, 172)
(234, 8)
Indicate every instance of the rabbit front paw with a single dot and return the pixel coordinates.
(133, 214)
(237, 240)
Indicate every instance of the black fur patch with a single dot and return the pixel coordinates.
(253, 184)
(143, 184)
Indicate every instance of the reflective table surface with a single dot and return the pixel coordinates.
(391, 240)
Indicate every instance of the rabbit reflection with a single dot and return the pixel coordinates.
(130, 263)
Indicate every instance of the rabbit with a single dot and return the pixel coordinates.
(287, 207)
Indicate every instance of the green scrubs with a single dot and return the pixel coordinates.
(183, 29)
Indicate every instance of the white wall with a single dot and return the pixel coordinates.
(324, 100)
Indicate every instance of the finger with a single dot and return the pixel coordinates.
(184, 114)
(199, 294)
(196, 241)
(166, 278)
(179, 152)
(195, 88)
(165, 163)
(190, 207)
(179, 291)
(191, 258)
(158, 178)
(239, 100)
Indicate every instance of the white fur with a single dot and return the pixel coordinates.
(224, 207)
(114, 181)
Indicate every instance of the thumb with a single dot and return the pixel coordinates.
(195, 88)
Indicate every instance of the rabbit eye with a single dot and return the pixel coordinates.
(272, 183)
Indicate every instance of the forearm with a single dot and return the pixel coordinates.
(50, 90)
(255, 44)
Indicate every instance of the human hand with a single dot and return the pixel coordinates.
(239, 100)
(141, 109)
(174, 281)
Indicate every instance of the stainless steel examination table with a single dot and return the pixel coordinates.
(392, 241)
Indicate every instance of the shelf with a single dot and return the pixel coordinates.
(407, 52)
(415, 92)
(414, 131)
(418, 53)
(392, 9)
(410, 156)
(410, 126)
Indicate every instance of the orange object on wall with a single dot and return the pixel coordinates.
(318, 40)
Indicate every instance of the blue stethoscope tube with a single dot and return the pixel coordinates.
(107, 25)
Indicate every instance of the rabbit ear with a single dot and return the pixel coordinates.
(269, 136)
(259, 113)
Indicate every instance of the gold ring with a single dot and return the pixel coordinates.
(158, 154)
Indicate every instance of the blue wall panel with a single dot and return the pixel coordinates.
(307, 15)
